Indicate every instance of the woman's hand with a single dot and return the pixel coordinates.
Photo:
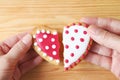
(106, 49)
(17, 57)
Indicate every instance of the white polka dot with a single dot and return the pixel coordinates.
(54, 52)
(39, 49)
(50, 58)
(52, 39)
(44, 36)
(34, 36)
(35, 43)
(40, 40)
(57, 61)
(38, 31)
(43, 31)
(44, 54)
(48, 32)
(55, 33)
(53, 46)
(46, 47)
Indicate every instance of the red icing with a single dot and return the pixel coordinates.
(84, 32)
(78, 61)
(75, 30)
(66, 31)
(79, 24)
(72, 54)
(86, 25)
(72, 38)
(73, 24)
(67, 26)
(82, 39)
(77, 46)
(66, 60)
(47, 42)
(66, 46)
(66, 69)
(73, 64)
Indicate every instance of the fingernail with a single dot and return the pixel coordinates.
(38, 60)
(92, 30)
(27, 39)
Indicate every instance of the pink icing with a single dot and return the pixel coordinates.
(49, 44)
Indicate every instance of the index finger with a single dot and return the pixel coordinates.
(7, 44)
(109, 24)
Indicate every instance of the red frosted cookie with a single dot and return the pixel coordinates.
(46, 44)
(76, 43)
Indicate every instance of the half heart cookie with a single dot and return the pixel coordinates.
(46, 44)
(76, 43)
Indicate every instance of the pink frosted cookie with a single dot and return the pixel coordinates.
(76, 43)
(46, 44)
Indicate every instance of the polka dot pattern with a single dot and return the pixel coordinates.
(48, 43)
(38, 31)
(40, 40)
(73, 24)
(44, 36)
(48, 32)
(72, 38)
(75, 41)
(52, 39)
(53, 46)
(67, 32)
(54, 33)
(84, 32)
(77, 46)
(72, 54)
(82, 39)
(46, 47)
(43, 31)
(54, 52)
(66, 61)
(66, 46)
(76, 30)
(67, 26)
(39, 49)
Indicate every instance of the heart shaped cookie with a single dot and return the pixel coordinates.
(76, 43)
(46, 44)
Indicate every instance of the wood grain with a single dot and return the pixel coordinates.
(22, 15)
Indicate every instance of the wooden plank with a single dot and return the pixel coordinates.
(21, 15)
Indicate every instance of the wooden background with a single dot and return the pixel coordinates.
(21, 15)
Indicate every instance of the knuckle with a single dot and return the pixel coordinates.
(104, 22)
(21, 46)
(105, 35)
(4, 48)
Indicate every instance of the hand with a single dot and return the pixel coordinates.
(105, 51)
(16, 57)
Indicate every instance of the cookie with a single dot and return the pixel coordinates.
(76, 43)
(46, 44)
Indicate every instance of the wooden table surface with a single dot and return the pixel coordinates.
(21, 15)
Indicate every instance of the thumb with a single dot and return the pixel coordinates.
(104, 37)
(20, 48)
